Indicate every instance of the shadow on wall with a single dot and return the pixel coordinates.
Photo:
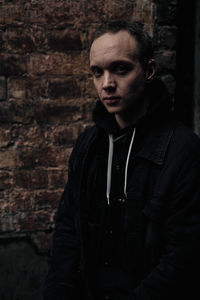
(22, 270)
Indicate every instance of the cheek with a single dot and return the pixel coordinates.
(136, 85)
(97, 86)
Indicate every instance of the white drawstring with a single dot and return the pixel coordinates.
(127, 161)
(109, 169)
(110, 159)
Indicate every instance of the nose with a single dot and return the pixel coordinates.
(108, 81)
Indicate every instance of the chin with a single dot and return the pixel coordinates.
(113, 110)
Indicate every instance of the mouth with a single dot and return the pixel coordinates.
(111, 100)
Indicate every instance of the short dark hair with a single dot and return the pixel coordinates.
(136, 29)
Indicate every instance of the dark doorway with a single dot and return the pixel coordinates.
(184, 100)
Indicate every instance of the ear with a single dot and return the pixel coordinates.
(150, 70)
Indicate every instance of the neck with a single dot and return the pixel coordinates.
(129, 118)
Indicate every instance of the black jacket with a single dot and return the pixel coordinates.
(162, 210)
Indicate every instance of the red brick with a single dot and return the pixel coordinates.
(12, 14)
(66, 89)
(166, 61)
(28, 88)
(167, 37)
(57, 178)
(21, 200)
(6, 180)
(58, 113)
(64, 135)
(45, 156)
(19, 40)
(143, 11)
(39, 220)
(34, 179)
(12, 64)
(12, 112)
(64, 40)
(47, 199)
(57, 64)
(3, 90)
(5, 136)
(17, 89)
(8, 159)
(166, 12)
(117, 9)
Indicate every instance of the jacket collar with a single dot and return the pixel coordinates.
(155, 144)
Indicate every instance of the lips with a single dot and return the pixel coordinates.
(111, 100)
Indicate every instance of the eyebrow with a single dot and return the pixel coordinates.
(116, 62)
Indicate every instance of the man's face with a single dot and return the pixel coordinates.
(117, 73)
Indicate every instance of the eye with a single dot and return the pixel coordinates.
(97, 72)
(121, 69)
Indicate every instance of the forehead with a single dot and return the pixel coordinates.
(111, 46)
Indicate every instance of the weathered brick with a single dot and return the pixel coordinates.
(166, 12)
(27, 88)
(58, 113)
(167, 37)
(65, 135)
(67, 89)
(117, 9)
(12, 64)
(17, 88)
(8, 159)
(34, 179)
(39, 220)
(8, 222)
(3, 90)
(6, 180)
(21, 200)
(12, 13)
(30, 136)
(89, 90)
(57, 64)
(19, 40)
(45, 156)
(5, 137)
(57, 178)
(64, 40)
(47, 199)
(12, 112)
(143, 11)
(166, 61)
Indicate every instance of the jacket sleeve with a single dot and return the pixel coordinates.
(176, 274)
(61, 281)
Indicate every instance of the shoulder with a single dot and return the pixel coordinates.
(84, 139)
(184, 138)
(184, 145)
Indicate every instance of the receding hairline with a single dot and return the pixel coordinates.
(136, 52)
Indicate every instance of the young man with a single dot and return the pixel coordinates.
(128, 224)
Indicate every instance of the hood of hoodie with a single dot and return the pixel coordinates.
(159, 108)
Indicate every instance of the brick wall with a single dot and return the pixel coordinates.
(46, 97)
